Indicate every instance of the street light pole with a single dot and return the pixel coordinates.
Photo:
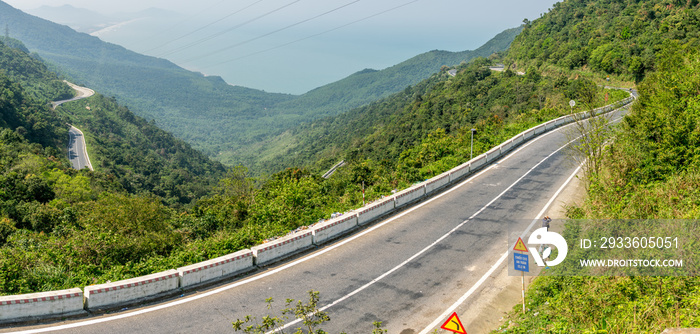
(471, 150)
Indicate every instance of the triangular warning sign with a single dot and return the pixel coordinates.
(454, 324)
(520, 245)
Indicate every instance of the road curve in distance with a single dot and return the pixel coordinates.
(83, 92)
(403, 271)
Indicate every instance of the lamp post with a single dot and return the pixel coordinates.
(471, 149)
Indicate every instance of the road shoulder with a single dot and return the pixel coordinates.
(486, 311)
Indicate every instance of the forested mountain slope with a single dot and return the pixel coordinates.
(142, 157)
(49, 212)
(444, 106)
(195, 107)
(649, 171)
(370, 85)
(27, 87)
(611, 37)
(218, 119)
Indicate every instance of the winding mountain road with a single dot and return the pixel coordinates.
(406, 271)
(83, 92)
(77, 150)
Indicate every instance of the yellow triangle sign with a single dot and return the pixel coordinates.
(453, 324)
(520, 245)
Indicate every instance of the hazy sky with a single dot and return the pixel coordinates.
(293, 46)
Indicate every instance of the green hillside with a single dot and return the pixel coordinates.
(50, 212)
(359, 89)
(142, 157)
(201, 110)
(221, 120)
(371, 85)
(618, 38)
(154, 203)
(27, 87)
(651, 168)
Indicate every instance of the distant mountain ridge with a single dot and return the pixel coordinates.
(370, 85)
(221, 120)
(88, 21)
(80, 19)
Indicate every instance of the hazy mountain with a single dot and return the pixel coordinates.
(80, 19)
(370, 85)
(222, 120)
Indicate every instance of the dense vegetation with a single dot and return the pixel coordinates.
(442, 105)
(221, 120)
(63, 228)
(25, 89)
(60, 227)
(650, 170)
(142, 157)
(616, 37)
(38, 83)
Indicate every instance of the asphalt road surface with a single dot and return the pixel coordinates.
(404, 271)
(83, 92)
(77, 151)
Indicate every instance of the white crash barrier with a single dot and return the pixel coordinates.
(478, 162)
(216, 268)
(132, 290)
(493, 154)
(559, 121)
(539, 129)
(505, 147)
(409, 195)
(517, 140)
(54, 304)
(283, 247)
(550, 125)
(332, 228)
(458, 172)
(369, 212)
(42, 305)
(437, 182)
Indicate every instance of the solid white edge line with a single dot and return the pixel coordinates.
(498, 263)
(276, 270)
(289, 265)
(503, 257)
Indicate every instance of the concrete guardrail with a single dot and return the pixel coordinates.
(63, 303)
(331, 229)
(131, 291)
(216, 269)
(41, 305)
(368, 213)
(283, 247)
(437, 182)
(410, 195)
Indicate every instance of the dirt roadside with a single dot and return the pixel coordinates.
(486, 312)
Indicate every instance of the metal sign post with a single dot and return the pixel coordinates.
(521, 262)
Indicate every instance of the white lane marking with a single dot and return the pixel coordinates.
(277, 270)
(503, 257)
(498, 263)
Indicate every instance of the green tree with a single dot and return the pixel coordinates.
(309, 315)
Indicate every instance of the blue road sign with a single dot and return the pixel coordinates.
(521, 262)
